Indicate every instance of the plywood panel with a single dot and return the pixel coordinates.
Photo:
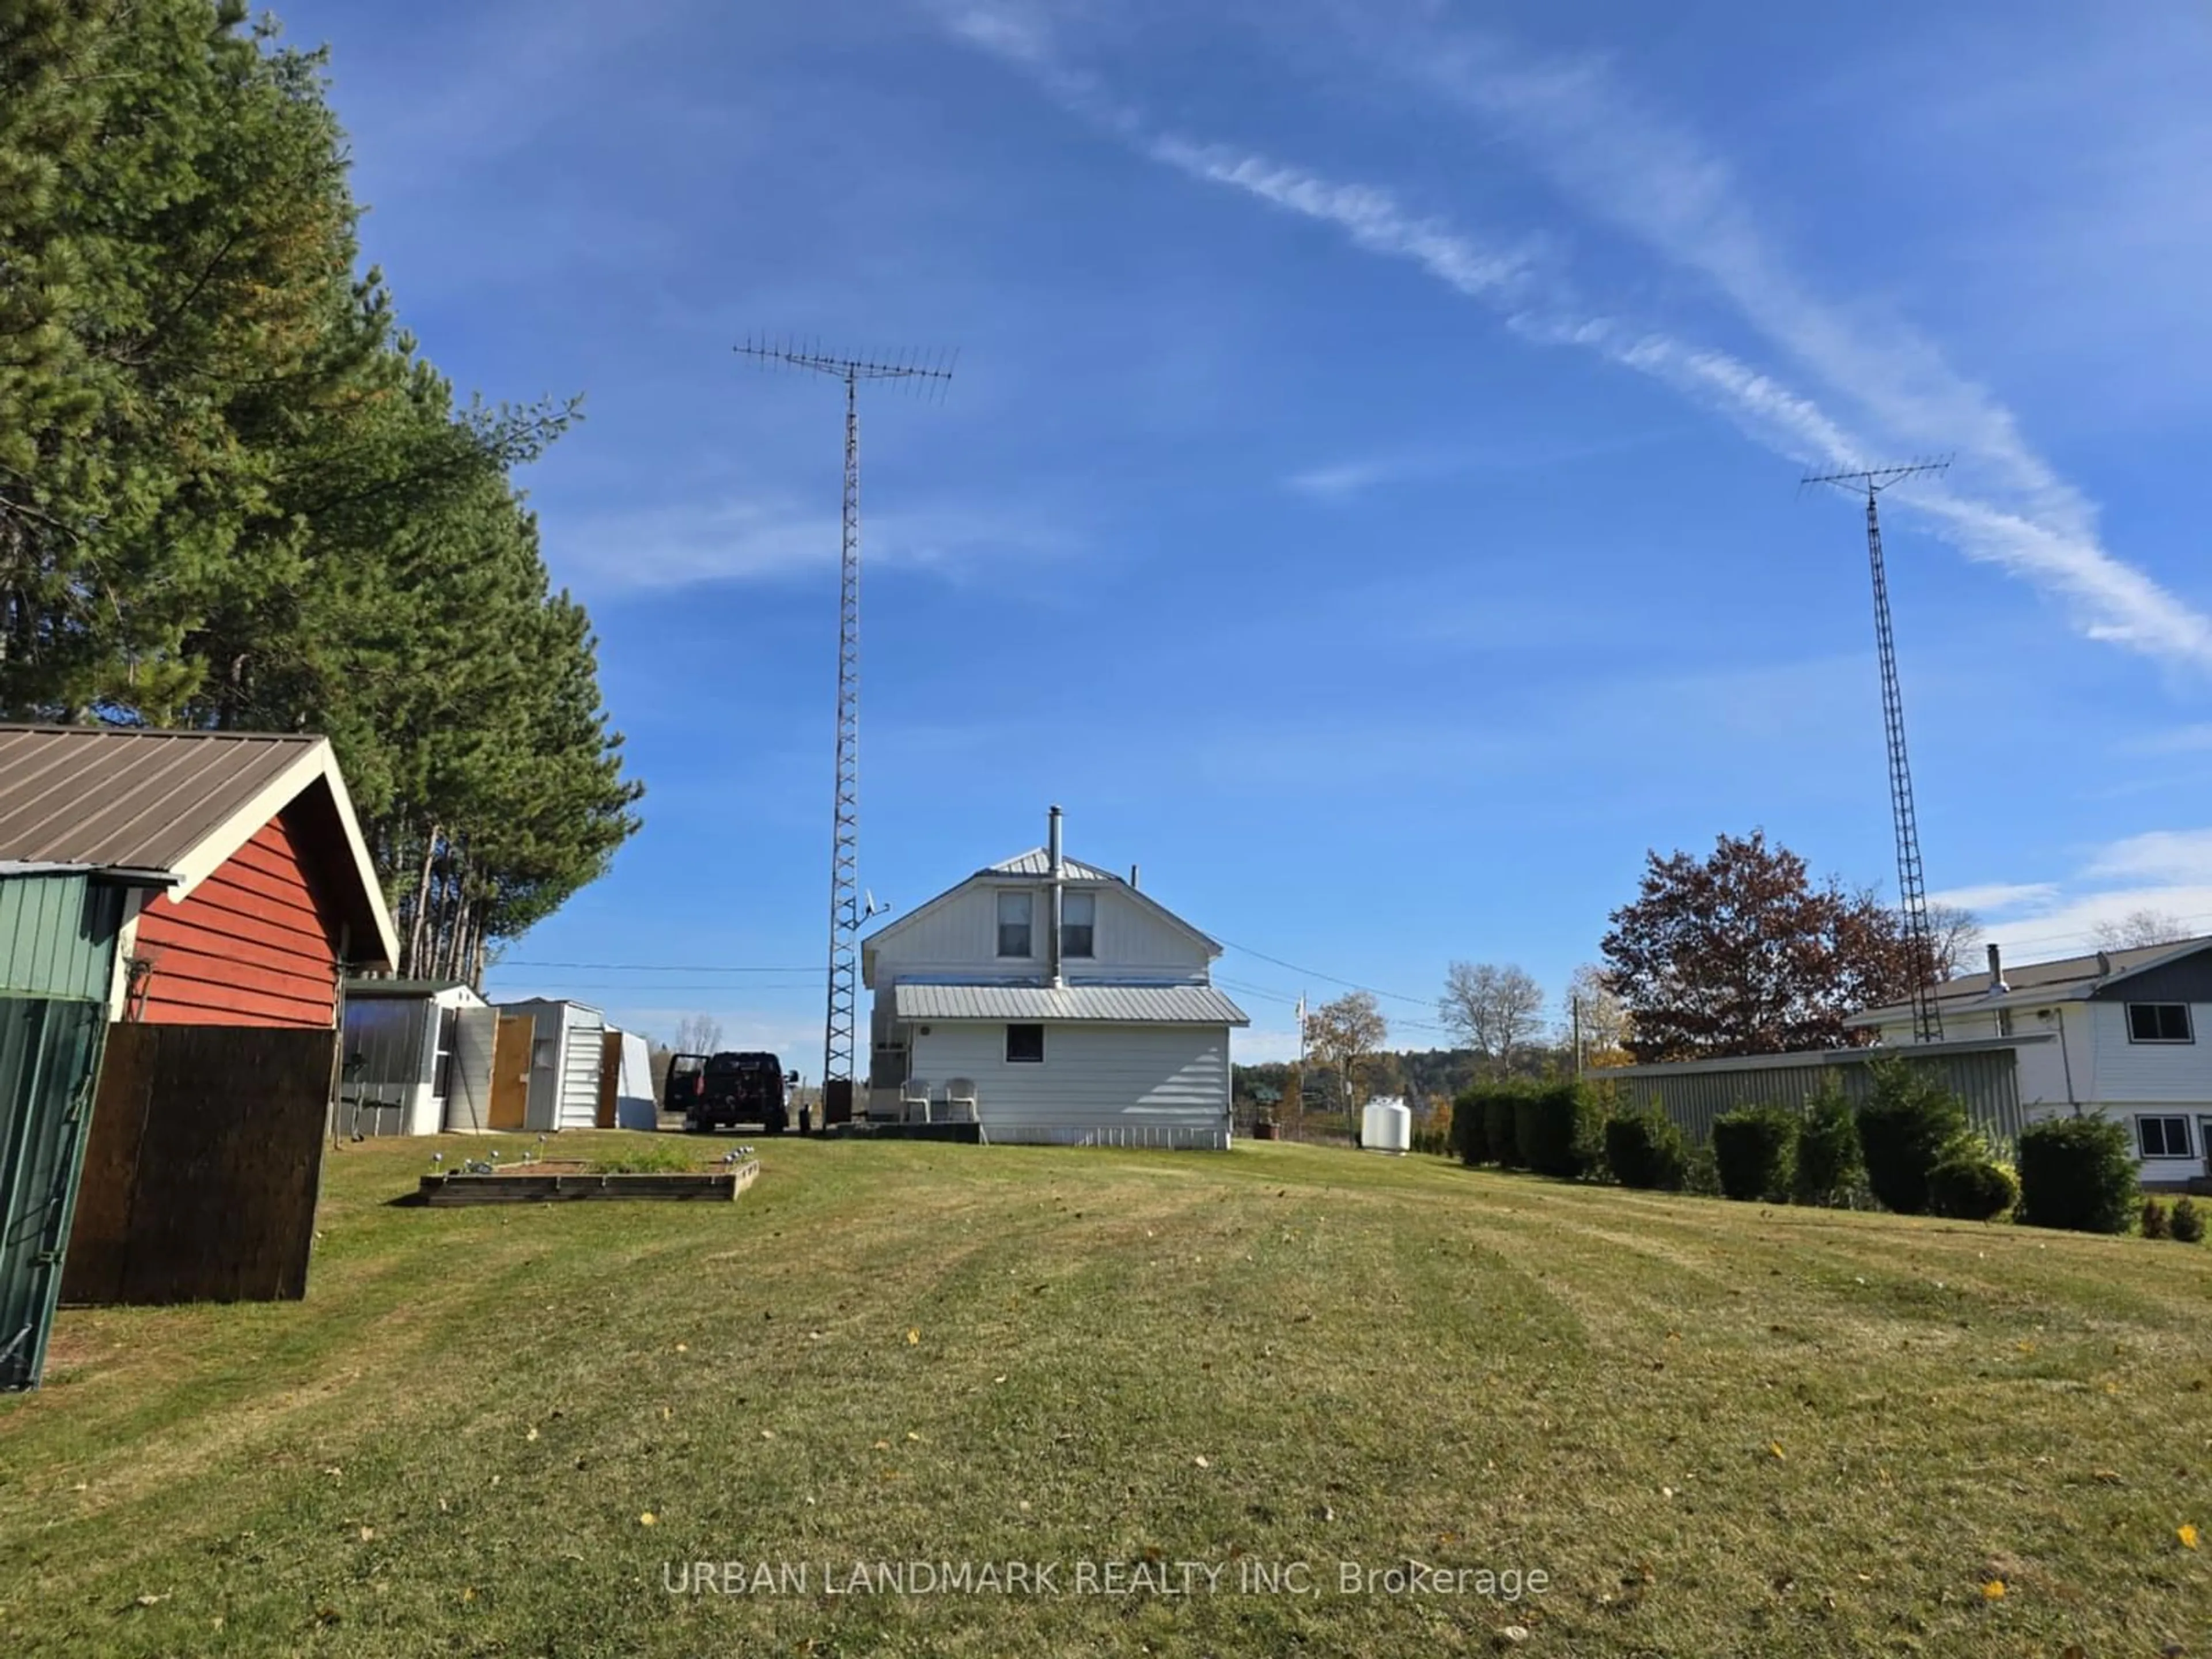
(510, 1071)
(208, 1159)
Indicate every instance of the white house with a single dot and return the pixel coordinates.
(1081, 1009)
(2132, 1041)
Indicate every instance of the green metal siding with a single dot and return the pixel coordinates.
(1693, 1096)
(50, 1054)
(57, 935)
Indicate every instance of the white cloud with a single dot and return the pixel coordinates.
(1258, 1047)
(1997, 897)
(2006, 505)
(2070, 929)
(742, 540)
(2180, 856)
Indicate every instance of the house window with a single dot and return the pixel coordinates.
(2163, 1137)
(1025, 1045)
(2159, 1022)
(1014, 924)
(1078, 916)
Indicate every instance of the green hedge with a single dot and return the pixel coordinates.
(1828, 1162)
(1499, 1115)
(2077, 1173)
(1557, 1126)
(1968, 1187)
(1754, 1150)
(1906, 1127)
(1468, 1138)
(2186, 1223)
(1644, 1150)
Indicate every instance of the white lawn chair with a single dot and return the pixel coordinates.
(914, 1101)
(960, 1100)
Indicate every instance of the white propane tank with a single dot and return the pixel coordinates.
(1386, 1126)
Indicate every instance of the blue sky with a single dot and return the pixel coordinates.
(1367, 498)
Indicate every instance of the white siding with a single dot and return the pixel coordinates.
(468, 1107)
(565, 1054)
(1110, 1084)
(961, 936)
(2177, 1072)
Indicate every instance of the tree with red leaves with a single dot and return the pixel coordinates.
(1741, 953)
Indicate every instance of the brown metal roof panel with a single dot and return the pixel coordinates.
(121, 796)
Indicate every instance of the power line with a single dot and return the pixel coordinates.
(651, 967)
(1315, 973)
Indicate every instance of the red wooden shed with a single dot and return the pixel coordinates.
(276, 898)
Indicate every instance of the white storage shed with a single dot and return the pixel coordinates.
(567, 1053)
(405, 1057)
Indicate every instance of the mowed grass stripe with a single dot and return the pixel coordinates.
(1375, 1358)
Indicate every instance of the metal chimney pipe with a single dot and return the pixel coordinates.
(1997, 985)
(1133, 876)
(1058, 864)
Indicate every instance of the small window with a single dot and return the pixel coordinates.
(1014, 924)
(2163, 1137)
(1078, 915)
(2159, 1022)
(1025, 1045)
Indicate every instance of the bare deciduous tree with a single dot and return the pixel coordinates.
(1592, 1012)
(698, 1034)
(1495, 1009)
(2139, 928)
(1344, 1032)
(1954, 932)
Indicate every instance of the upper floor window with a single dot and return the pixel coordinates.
(1014, 910)
(2159, 1022)
(2163, 1137)
(1078, 918)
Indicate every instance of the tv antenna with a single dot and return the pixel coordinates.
(845, 917)
(1911, 884)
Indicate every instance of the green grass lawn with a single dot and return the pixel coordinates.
(1713, 1428)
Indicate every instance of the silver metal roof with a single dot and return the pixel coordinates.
(2069, 978)
(144, 799)
(1038, 862)
(1109, 1005)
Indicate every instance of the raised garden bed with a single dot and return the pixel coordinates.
(545, 1182)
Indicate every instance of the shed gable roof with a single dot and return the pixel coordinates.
(183, 802)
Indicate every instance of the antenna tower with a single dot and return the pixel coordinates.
(1911, 884)
(845, 917)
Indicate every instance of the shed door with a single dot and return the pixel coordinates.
(510, 1071)
(49, 1058)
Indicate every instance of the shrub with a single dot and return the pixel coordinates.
(2077, 1173)
(1754, 1150)
(2150, 1220)
(1555, 1129)
(2187, 1222)
(1702, 1176)
(1828, 1165)
(1468, 1139)
(1644, 1150)
(1906, 1126)
(1497, 1126)
(1967, 1186)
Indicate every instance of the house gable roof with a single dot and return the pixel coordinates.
(1036, 865)
(2069, 978)
(185, 802)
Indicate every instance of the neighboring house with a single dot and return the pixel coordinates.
(1081, 1009)
(2126, 1032)
(417, 1058)
(274, 897)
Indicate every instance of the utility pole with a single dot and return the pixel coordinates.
(837, 1041)
(1911, 884)
(1575, 1015)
